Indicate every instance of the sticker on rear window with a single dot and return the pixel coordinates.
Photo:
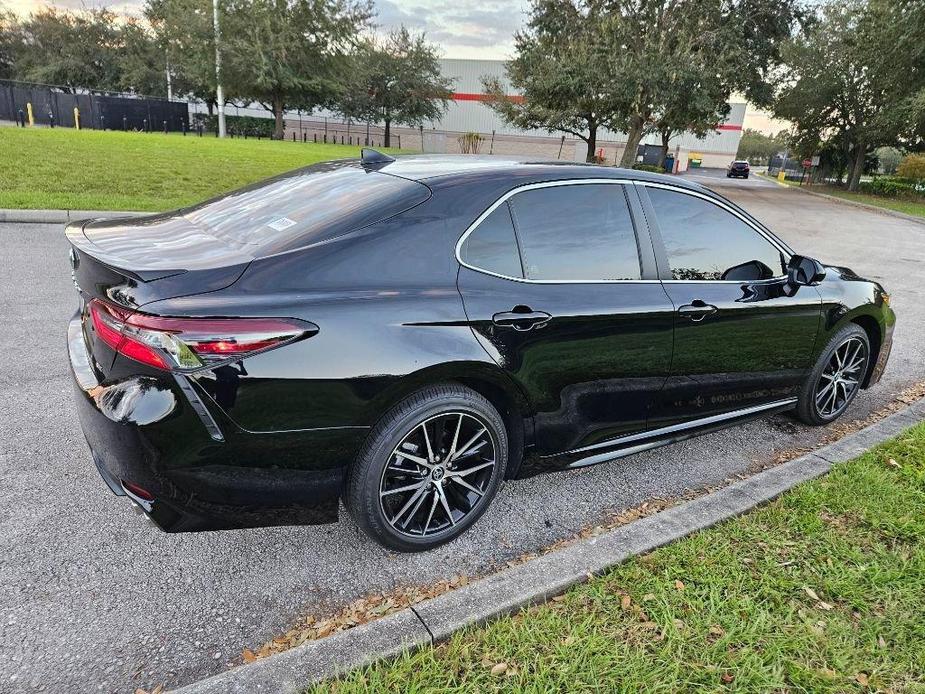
(281, 224)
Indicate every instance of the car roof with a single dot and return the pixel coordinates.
(428, 169)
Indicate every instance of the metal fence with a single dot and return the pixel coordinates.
(55, 106)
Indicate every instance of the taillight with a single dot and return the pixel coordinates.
(182, 344)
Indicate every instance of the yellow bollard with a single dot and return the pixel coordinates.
(29, 112)
(782, 176)
(77, 118)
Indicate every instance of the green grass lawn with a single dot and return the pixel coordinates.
(907, 206)
(912, 207)
(822, 590)
(63, 168)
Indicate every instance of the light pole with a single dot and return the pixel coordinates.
(219, 92)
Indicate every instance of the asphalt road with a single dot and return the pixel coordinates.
(95, 599)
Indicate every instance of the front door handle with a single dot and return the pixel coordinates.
(697, 310)
(521, 318)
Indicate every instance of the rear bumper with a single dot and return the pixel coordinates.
(144, 430)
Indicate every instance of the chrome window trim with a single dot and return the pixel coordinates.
(719, 203)
(614, 181)
(533, 186)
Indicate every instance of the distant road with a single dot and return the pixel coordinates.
(717, 178)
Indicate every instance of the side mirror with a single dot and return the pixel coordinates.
(804, 272)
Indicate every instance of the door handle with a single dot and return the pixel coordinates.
(697, 310)
(521, 318)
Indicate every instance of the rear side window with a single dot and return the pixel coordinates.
(310, 205)
(581, 232)
(492, 246)
(706, 242)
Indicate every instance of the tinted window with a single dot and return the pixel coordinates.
(309, 205)
(705, 242)
(576, 232)
(492, 246)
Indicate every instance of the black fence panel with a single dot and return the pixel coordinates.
(99, 111)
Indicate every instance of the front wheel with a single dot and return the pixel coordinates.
(836, 378)
(429, 469)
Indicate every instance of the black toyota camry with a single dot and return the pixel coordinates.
(404, 335)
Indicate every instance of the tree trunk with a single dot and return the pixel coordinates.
(591, 154)
(280, 125)
(210, 105)
(860, 154)
(663, 152)
(387, 138)
(633, 138)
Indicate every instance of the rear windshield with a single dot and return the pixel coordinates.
(306, 206)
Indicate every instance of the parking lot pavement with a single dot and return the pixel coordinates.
(96, 599)
(716, 178)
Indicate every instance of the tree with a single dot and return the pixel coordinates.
(9, 38)
(286, 52)
(831, 91)
(665, 50)
(142, 61)
(758, 148)
(395, 81)
(558, 70)
(183, 30)
(70, 49)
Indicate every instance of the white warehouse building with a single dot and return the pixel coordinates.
(467, 112)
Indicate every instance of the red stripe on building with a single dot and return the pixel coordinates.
(459, 96)
(517, 99)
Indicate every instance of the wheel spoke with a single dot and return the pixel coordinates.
(469, 471)
(462, 482)
(446, 505)
(408, 504)
(414, 510)
(415, 459)
(403, 489)
(452, 452)
(430, 516)
(465, 449)
(430, 450)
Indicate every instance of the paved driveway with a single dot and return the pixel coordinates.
(95, 599)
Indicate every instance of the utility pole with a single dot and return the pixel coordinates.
(219, 92)
(169, 78)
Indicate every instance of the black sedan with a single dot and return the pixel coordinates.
(405, 335)
(737, 169)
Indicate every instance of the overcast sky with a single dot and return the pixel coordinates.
(462, 28)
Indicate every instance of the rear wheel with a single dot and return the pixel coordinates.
(429, 469)
(836, 378)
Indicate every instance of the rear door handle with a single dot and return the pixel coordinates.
(697, 310)
(521, 318)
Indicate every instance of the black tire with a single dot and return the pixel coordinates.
(745, 176)
(430, 417)
(809, 410)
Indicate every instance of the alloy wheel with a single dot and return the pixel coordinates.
(841, 378)
(438, 474)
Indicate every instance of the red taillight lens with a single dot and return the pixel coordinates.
(190, 343)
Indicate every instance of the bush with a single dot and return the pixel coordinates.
(892, 187)
(649, 167)
(239, 125)
(913, 167)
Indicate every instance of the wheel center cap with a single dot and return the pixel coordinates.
(437, 473)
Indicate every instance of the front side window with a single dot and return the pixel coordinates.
(580, 232)
(703, 241)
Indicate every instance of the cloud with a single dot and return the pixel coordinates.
(462, 28)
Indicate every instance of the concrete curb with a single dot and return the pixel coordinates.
(61, 216)
(537, 580)
(864, 205)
